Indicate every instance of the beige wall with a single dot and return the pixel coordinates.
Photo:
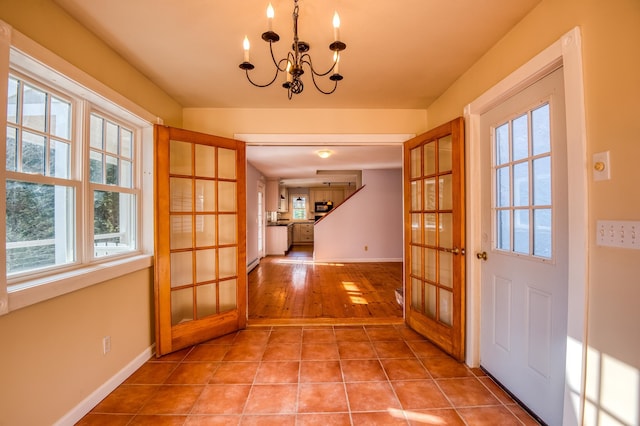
(227, 122)
(611, 40)
(51, 353)
(47, 24)
(51, 356)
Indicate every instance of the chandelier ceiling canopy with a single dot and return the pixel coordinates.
(298, 58)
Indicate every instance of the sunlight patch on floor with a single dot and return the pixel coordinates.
(354, 292)
(423, 418)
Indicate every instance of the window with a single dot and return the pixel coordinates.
(522, 174)
(45, 189)
(299, 206)
(40, 194)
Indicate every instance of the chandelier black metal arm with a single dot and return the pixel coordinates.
(293, 64)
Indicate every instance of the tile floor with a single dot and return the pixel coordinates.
(328, 375)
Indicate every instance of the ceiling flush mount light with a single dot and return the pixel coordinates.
(292, 65)
(325, 153)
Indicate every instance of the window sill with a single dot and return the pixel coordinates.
(41, 289)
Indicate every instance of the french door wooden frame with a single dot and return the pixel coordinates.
(434, 218)
(207, 238)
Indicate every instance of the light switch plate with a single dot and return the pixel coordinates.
(601, 166)
(618, 233)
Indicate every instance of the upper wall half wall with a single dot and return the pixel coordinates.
(227, 122)
(47, 24)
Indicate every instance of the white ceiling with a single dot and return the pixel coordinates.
(400, 53)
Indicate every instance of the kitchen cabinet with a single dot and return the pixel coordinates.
(277, 197)
(279, 239)
(303, 233)
(284, 199)
(272, 196)
(335, 195)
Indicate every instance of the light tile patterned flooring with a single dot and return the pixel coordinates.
(326, 375)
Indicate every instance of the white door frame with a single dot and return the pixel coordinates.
(568, 52)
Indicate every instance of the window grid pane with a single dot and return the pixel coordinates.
(522, 201)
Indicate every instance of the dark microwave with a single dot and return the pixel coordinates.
(323, 206)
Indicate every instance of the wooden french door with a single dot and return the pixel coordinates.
(434, 236)
(200, 254)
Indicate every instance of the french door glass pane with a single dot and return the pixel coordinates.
(228, 295)
(181, 305)
(445, 230)
(416, 294)
(205, 199)
(416, 195)
(415, 163)
(446, 269)
(430, 229)
(416, 259)
(180, 158)
(205, 230)
(446, 193)
(180, 232)
(181, 195)
(446, 306)
(205, 265)
(541, 130)
(430, 300)
(445, 155)
(226, 163)
(430, 159)
(430, 264)
(205, 161)
(227, 229)
(227, 197)
(520, 138)
(206, 300)
(181, 269)
(228, 261)
(416, 236)
(430, 194)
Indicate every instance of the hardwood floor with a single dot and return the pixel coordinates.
(294, 289)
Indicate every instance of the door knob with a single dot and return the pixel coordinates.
(482, 255)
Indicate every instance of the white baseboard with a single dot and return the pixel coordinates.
(359, 260)
(253, 264)
(86, 405)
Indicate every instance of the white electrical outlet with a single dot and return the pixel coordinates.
(618, 233)
(106, 345)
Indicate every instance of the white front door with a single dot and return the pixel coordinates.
(524, 246)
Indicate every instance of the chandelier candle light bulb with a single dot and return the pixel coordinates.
(245, 46)
(336, 27)
(270, 15)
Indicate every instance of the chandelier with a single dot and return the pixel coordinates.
(298, 57)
